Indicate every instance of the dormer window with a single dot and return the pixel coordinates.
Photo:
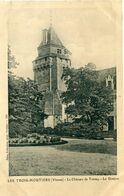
(59, 51)
(109, 82)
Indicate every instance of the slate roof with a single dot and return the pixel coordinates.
(53, 38)
(105, 72)
(52, 41)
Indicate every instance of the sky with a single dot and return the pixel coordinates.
(88, 30)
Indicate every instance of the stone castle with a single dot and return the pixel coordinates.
(48, 67)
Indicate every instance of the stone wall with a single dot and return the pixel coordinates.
(43, 79)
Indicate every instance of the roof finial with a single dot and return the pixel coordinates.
(51, 18)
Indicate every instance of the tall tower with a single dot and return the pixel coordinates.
(48, 67)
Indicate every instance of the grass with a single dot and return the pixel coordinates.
(90, 146)
(78, 157)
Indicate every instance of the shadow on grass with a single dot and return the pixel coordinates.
(93, 147)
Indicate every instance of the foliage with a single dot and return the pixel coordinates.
(12, 63)
(43, 130)
(79, 130)
(88, 100)
(25, 102)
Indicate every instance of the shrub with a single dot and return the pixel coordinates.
(35, 135)
(55, 139)
(48, 130)
(16, 129)
(78, 130)
(38, 129)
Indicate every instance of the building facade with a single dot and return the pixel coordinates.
(48, 67)
(108, 76)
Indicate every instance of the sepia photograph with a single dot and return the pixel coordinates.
(62, 89)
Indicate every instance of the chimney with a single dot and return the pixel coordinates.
(45, 37)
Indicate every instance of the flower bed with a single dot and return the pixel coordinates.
(35, 139)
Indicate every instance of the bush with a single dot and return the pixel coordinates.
(42, 130)
(34, 135)
(38, 129)
(16, 129)
(55, 139)
(79, 130)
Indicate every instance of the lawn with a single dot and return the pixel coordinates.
(90, 146)
(78, 157)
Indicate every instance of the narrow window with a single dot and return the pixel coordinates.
(109, 84)
(59, 51)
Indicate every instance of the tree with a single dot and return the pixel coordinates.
(12, 63)
(88, 100)
(25, 102)
(90, 66)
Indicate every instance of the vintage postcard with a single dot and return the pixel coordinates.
(61, 98)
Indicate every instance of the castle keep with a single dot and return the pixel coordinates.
(48, 69)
